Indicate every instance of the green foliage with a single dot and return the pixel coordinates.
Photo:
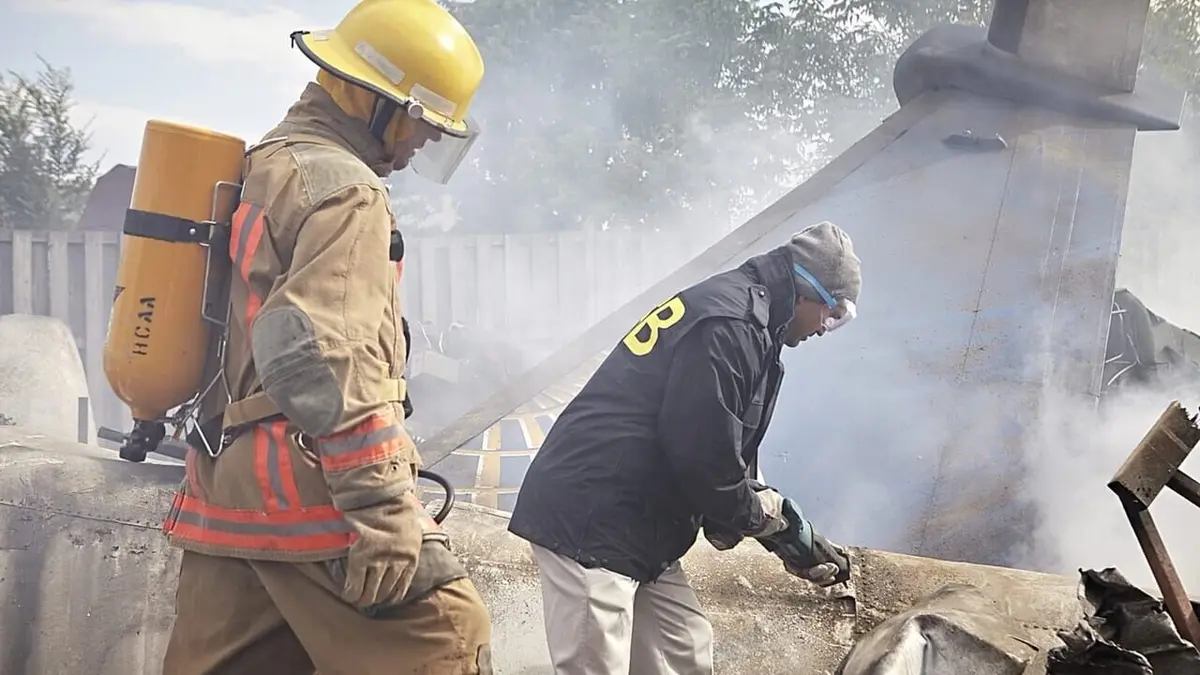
(649, 113)
(633, 113)
(44, 180)
(1173, 41)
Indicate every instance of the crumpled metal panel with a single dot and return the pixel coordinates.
(87, 583)
(1126, 631)
(956, 630)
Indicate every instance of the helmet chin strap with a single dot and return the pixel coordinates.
(381, 116)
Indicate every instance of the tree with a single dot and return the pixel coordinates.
(635, 113)
(631, 113)
(44, 180)
(1171, 46)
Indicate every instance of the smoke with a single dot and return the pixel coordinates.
(638, 149)
(1082, 523)
(864, 430)
(865, 467)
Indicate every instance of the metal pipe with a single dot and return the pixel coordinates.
(82, 419)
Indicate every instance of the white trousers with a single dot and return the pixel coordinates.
(602, 623)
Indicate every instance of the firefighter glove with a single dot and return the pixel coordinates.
(381, 563)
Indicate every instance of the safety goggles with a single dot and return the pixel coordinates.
(842, 311)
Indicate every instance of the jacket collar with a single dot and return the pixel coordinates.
(316, 114)
(774, 270)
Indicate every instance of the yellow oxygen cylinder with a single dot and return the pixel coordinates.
(158, 339)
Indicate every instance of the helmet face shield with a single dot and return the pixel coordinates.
(437, 160)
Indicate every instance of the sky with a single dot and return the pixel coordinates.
(222, 64)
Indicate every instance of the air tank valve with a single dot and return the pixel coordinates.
(143, 439)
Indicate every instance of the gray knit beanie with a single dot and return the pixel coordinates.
(826, 252)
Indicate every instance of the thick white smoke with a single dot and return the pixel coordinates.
(1082, 523)
(864, 467)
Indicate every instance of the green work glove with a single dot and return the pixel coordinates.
(804, 552)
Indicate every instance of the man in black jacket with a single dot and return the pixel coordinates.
(663, 441)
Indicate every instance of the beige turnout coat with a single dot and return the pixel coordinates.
(314, 356)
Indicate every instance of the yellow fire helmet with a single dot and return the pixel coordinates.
(414, 54)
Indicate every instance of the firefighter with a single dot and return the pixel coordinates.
(662, 442)
(305, 547)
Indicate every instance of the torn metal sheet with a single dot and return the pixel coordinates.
(960, 628)
(1126, 632)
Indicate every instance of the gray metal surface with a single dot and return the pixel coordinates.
(86, 579)
(88, 582)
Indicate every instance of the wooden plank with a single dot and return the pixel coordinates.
(427, 252)
(461, 274)
(1179, 605)
(489, 282)
(544, 281)
(511, 302)
(97, 299)
(22, 272)
(58, 262)
(589, 276)
(410, 283)
(571, 308)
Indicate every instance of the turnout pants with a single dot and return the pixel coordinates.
(602, 623)
(245, 617)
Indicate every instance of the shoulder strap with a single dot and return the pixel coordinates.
(258, 406)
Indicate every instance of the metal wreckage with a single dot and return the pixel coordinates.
(1003, 176)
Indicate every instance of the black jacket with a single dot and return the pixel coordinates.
(664, 437)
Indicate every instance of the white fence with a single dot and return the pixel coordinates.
(529, 288)
(537, 287)
(70, 276)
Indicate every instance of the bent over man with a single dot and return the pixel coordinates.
(663, 441)
(305, 547)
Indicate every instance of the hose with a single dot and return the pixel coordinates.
(448, 504)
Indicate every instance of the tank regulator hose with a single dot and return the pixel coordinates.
(448, 504)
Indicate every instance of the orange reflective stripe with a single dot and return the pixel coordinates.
(245, 234)
(273, 468)
(375, 440)
(262, 467)
(290, 492)
(298, 530)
